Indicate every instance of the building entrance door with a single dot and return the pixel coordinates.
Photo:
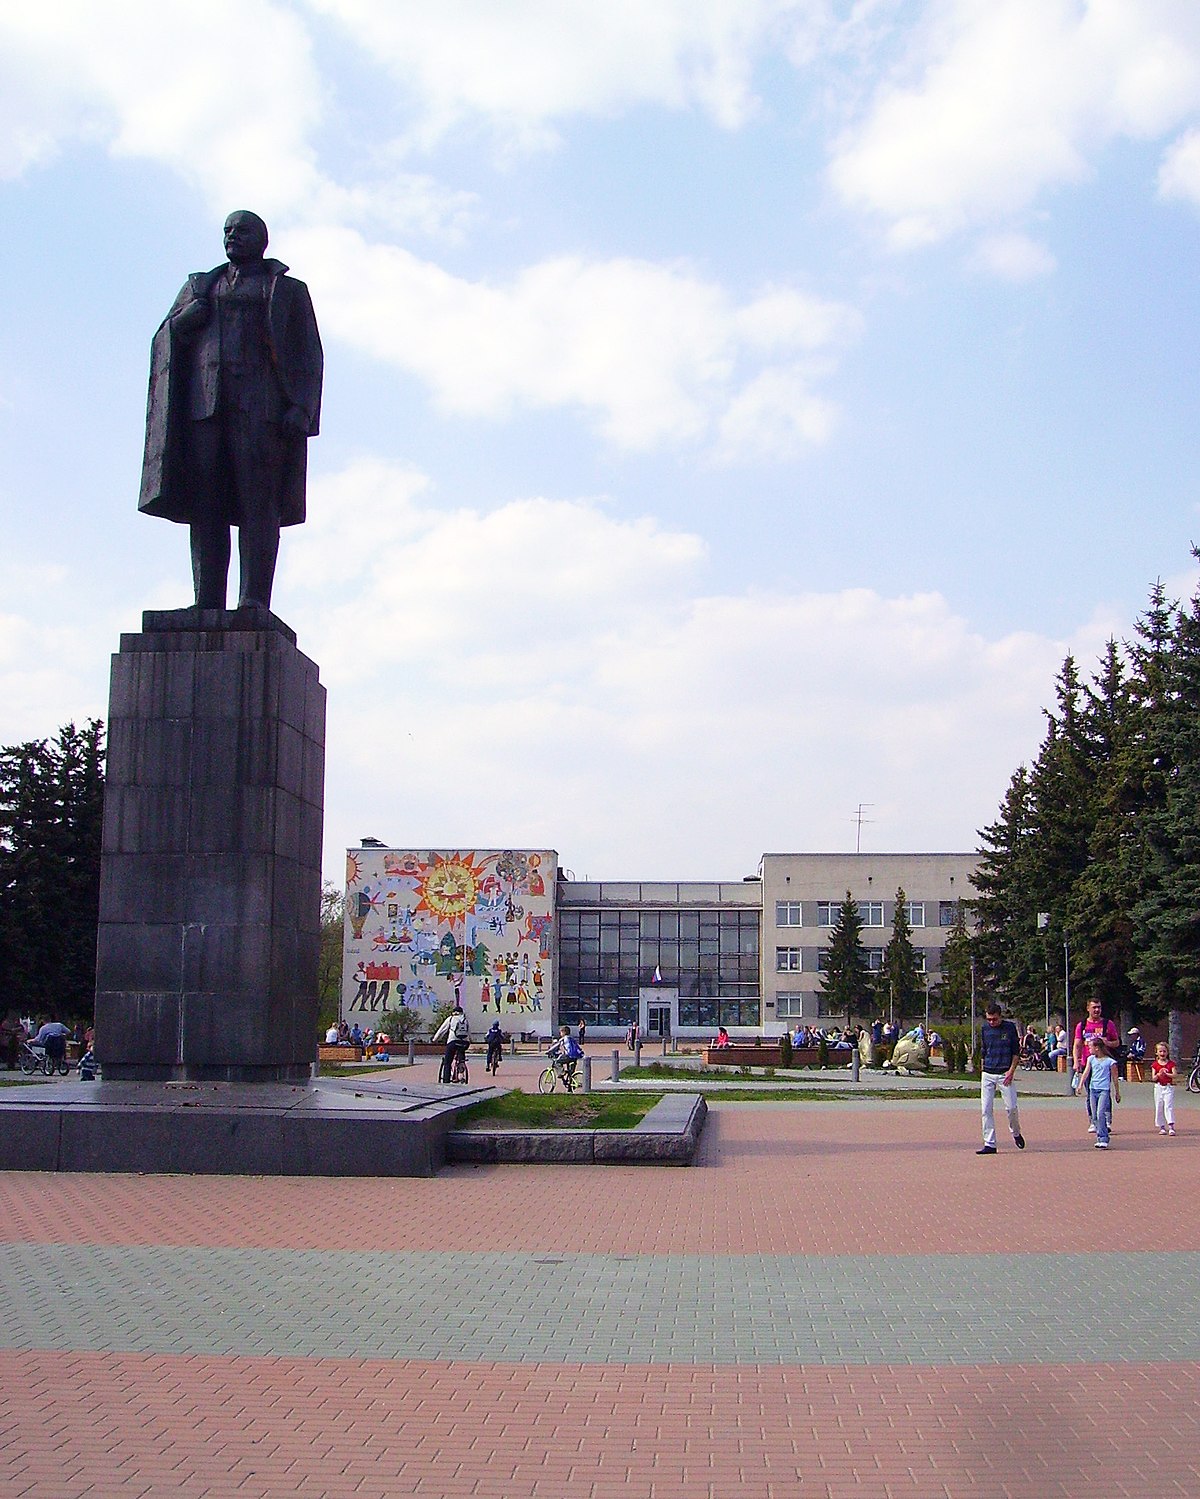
(660, 1012)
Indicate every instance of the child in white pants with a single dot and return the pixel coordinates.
(1164, 1089)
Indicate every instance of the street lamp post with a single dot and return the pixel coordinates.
(1067, 996)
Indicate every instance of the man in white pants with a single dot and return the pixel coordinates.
(1001, 1048)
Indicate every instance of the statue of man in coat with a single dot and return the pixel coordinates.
(235, 394)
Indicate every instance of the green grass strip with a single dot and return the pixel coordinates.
(561, 1110)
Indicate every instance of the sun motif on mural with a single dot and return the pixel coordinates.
(447, 887)
(353, 869)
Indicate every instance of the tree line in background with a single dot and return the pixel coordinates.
(1092, 867)
(51, 819)
(898, 989)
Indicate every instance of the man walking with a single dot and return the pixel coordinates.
(1001, 1048)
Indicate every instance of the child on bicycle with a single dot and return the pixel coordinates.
(565, 1054)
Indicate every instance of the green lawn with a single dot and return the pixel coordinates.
(561, 1110)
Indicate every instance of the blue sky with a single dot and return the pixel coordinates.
(734, 411)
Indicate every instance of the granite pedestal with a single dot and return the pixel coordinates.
(210, 879)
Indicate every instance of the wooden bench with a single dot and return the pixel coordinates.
(339, 1053)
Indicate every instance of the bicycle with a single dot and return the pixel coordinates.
(458, 1067)
(554, 1073)
(1193, 1082)
(32, 1059)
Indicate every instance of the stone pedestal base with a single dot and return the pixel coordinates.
(211, 871)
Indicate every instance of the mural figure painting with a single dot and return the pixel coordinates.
(432, 927)
(235, 392)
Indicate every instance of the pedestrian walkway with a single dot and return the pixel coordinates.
(836, 1300)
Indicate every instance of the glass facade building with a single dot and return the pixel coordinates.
(621, 943)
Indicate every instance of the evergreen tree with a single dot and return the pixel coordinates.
(1167, 914)
(1099, 923)
(847, 979)
(51, 822)
(901, 980)
(1011, 957)
(954, 998)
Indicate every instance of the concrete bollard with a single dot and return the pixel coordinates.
(412, 1053)
(512, 1046)
(854, 1063)
(616, 1066)
(587, 1074)
(637, 1052)
(664, 1046)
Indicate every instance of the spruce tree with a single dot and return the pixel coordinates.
(846, 980)
(954, 997)
(1167, 914)
(1011, 957)
(1099, 923)
(901, 980)
(51, 817)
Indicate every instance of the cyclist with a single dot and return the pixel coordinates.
(565, 1054)
(495, 1040)
(53, 1036)
(456, 1032)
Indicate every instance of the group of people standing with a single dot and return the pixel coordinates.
(1096, 1076)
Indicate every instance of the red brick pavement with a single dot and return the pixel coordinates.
(259, 1428)
(827, 1180)
(821, 1180)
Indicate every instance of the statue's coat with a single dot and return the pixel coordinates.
(184, 386)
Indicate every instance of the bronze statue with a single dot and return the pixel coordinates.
(235, 392)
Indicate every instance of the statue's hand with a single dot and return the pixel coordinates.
(295, 422)
(193, 316)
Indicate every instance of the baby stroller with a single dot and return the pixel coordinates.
(1033, 1055)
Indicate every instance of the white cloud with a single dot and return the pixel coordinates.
(1179, 175)
(226, 93)
(546, 671)
(1013, 257)
(656, 353)
(525, 65)
(999, 100)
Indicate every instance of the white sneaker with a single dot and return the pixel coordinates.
(1091, 1129)
(1101, 1144)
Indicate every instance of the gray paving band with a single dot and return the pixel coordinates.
(764, 1309)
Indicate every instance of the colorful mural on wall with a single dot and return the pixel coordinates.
(426, 928)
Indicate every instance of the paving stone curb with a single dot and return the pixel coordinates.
(668, 1136)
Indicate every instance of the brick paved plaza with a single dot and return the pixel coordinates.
(839, 1299)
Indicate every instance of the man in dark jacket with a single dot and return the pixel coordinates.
(1001, 1048)
(235, 392)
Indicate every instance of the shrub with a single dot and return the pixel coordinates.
(401, 1023)
(822, 1052)
(785, 1050)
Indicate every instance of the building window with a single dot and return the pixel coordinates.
(915, 911)
(789, 959)
(822, 960)
(874, 959)
(870, 912)
(919, 955)
(787, 913)
(827, 912)
(789, 1006)
(947, 912)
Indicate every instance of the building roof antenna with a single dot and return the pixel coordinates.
(859, 819)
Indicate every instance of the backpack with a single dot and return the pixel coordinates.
(460, 1030)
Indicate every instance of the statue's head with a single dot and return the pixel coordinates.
(245, 236)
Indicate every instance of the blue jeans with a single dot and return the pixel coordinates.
(1100, 1108)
